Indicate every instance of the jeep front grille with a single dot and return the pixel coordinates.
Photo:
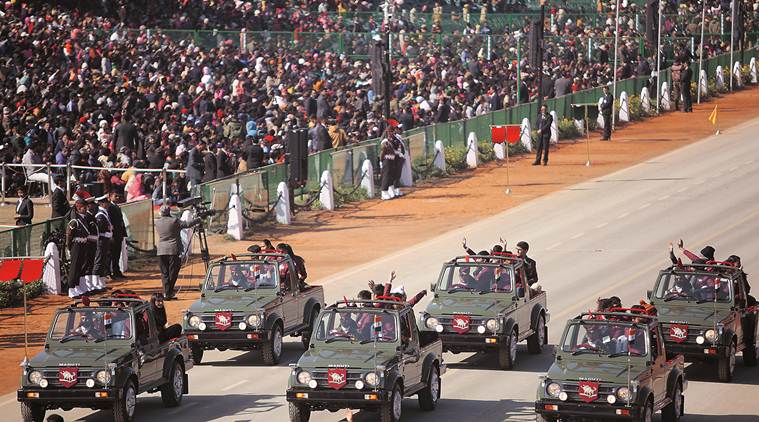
(51, 375)
(693, 332)
(320, 375)
(573, 391)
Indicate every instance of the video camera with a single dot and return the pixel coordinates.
(201, 208)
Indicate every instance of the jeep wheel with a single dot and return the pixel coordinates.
(674, 410)
(197, 354)
(173, 390)
(125, 406)
(391, 411)
(647, 414)
(536, 341)
(543, 418)
(305, 336)
(272, 349)
(507, 352)
(749, 355)
(299, 412)
(726, 365)
(32, 412)
(429, 396)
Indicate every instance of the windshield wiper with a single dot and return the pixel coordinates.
(250, 288)
(618, 354)
(222, 288)
(698, 302)
(332, 339)
(462, 289)
(581, 351)
(73, 336)
(367, 341)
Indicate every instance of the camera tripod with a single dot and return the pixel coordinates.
(200, 231)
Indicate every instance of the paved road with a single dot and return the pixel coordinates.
(606, 236)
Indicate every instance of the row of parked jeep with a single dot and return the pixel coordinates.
(625, 363)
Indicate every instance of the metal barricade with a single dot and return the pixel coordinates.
(138, 219)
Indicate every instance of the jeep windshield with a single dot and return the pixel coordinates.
(699, 287)
(477, 278)
(605, 338)
(238, 276)
(92, 325)
(357, 326)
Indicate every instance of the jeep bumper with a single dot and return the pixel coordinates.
(229, 339)
(337, 399)
(561, 409)
(470, 342)
(57, 397)
(696, 352)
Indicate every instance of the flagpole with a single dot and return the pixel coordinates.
(658, 62)
(614, 71)
(732, 37)
(701, 55)
(508, 180)
(587, 135)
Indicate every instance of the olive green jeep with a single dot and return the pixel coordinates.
(101, 355)
(366, 355)
(250, 302)
(612, 365)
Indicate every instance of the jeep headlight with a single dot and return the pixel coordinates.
(304, 377)
(194, 321)
(624, 394)
(553, 389)
(493, 325)
(431, 322)
(711, 335)
(35, 377)
(103, 377)
(372, 379)
(254, 321)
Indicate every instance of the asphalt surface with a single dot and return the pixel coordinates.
(603, 237)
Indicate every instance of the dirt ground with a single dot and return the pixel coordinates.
(425, 212)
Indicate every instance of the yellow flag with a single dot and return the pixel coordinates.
(713, 116)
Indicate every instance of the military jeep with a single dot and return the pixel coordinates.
(366, 355)
(704, 315)
(101, 355)
(612, 365)
(250, 302)
(482, 303)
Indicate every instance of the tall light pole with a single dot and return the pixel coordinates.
(701, 55)
(540, 55)
(614, 70)
(732, 40)
(658, 60)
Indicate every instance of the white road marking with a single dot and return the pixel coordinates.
(701, 182)
(7, 402)
(644, 206)
(602, 225)
(682, 189)
(554, 246)
(623, 215)
(233, 386)
(577, 236)
(663, 198)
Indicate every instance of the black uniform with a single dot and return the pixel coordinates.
(685, 79)
(544, 137)
(400, 158)
(388, 163)
(91, 251)
(77, 232)
(606, 108)
(119, 233)
(60, 204)
(102, 264)
(530, 270)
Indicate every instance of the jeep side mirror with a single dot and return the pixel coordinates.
(649, 293)
(432, 287)
(515, 298)
(520, 291)
(200, 286)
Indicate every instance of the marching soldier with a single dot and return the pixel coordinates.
(387, 155)
(77, 232)
(400, 158)
(102, 264)
(92, 242)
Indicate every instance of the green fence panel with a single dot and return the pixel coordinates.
(253, 190)
(138, 219)
(6, 243)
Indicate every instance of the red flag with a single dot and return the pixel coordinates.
(32, 270)
(498, 133)
(9, 269)
(513, 132)
(393, 122)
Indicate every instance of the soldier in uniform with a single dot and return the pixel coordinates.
(92, 241)
(77, 232)
(387, 156)
(102, 263)
(116, 218)
(607, 106)
(400, 158)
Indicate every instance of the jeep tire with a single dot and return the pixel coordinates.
(536, 341)
(674, 410)
(749, 353)
(647, 413)
(197, 354)
(299, 412)
(305, 335)
(391, 410)
(272, 348)
(173, 391)
(32, 412)
(507, 351)
(726, 364)
(543, 418)
(429, 396)
(125, 405)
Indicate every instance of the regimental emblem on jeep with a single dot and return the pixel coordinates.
(337, 378)
(460, 323)
(678, 332)
(588, 391)
(223, 320)
(68, 376)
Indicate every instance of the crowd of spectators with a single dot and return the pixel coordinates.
(77, 86)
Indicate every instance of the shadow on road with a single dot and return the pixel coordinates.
(457, 410)
(707, 372)
(291, 352)
(488, 361)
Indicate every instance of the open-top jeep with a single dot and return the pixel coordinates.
(612, 365)
(366, 355)
(704, 315)
(482, 303)
(101, 355)
(250, 302)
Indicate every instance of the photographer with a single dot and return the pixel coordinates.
(169, 248)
